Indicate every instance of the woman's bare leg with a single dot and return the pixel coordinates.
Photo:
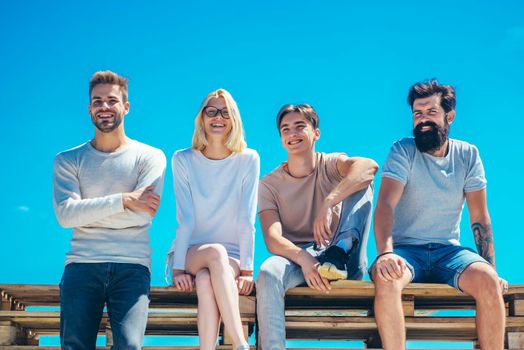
(222, 273)
(208, 314)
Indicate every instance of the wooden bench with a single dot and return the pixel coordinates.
(172, 312)
(346, 312)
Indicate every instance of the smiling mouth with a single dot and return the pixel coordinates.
(294, 142)
(105, 115)
(217, 125)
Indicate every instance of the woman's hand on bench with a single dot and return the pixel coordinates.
(183, 280)
(245, 284)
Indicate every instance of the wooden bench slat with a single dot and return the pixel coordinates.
(418, 328)
(161, 297)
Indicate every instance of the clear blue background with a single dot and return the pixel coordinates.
(352, 60)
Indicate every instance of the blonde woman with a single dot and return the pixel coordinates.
(216, 185)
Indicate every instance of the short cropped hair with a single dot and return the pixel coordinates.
(305, 109)
(235, 141)
(432, 87)
(108, 77)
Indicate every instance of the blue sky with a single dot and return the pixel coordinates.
(353, 61)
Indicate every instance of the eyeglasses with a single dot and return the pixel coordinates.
(212, 112)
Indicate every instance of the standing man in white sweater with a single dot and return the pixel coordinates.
(108, 190)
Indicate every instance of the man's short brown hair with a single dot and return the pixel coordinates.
(432, 87)
(108, 77)
(306, 110)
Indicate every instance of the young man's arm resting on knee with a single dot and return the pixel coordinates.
(357, 173)
(388, 266)
(481, 227)
(279, 245)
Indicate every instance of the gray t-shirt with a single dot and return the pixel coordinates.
(430, 208)
(87, 196)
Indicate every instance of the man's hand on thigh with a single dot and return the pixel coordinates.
(389, 267)
(313, 279)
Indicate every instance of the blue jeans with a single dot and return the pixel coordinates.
(437, 263)
(85, 289)
(277, 274)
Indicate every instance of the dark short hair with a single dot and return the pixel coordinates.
(432, 87)
(108, 77)
(306, 110)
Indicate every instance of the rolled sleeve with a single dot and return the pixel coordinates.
(397, 165)
(475, 177)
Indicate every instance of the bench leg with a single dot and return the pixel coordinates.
(12, 334)
(109, 337)
(516, 307)
(8, 333)
(408, 305)
(7, 303)
(515, 340)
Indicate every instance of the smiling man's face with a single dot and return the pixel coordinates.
(107, 108)
(297, 133)
(430, 123)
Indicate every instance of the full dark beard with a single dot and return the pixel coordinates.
(106, 126)
(431, 140)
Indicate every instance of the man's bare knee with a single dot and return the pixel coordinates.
(388, 288)
(481, 281)
(385, 288)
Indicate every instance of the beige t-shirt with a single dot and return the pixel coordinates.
(298, 200)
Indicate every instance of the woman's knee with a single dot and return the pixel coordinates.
(216, 253)
(203, 282)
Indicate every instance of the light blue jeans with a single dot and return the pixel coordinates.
(277, 274)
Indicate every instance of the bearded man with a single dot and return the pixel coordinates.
(107, 190)
(425, 181)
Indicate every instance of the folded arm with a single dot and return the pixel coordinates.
(73, 211)
(116, 211)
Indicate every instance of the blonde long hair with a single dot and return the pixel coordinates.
(235, 141)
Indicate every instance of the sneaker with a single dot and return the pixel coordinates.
(333, 263)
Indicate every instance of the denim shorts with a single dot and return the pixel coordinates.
(437, 263)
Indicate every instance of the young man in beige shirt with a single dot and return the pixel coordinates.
(315, 212)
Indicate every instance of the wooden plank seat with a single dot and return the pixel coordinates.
(346, 312)
(172, 312)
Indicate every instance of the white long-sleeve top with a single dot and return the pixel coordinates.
(216, 203)
(87, 196)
